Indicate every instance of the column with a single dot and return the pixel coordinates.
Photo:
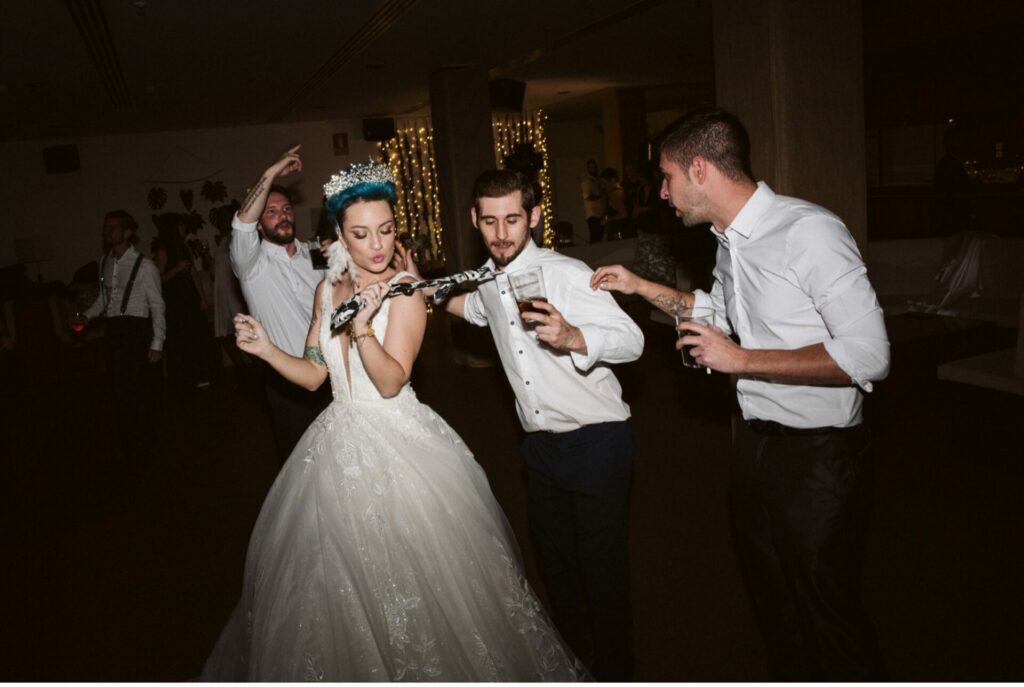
(793, 71)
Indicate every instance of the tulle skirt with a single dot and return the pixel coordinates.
(381, 554)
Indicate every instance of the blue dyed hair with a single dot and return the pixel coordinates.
(363, 191)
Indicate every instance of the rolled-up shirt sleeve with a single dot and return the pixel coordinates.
(611, 335)
(245, 248)
(473, 310)
(836, 279)
(716, 301)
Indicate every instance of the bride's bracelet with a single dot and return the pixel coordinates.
(357, 337)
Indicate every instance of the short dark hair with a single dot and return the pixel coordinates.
(283, 190)
(712, 133)
(497, 183)
(126, 220)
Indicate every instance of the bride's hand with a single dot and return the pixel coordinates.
(372, 296)
(251, 337)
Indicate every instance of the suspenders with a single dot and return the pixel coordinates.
(128, 288)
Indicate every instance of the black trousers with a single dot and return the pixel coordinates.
(292, 409)
(578, 508)
(800, 508)
(126, 342)
(596, 229)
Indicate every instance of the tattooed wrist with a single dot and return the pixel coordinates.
(314, 355)
(673, 305)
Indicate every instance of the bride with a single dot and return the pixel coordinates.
(380, 552)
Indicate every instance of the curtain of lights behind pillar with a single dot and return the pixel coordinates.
(410, 155)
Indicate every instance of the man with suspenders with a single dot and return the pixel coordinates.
(130, 299)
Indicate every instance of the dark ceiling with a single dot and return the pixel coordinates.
(88, 67)
(83, 67)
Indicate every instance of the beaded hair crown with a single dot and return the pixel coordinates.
(358, 173)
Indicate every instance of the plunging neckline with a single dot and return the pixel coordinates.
(331, 307)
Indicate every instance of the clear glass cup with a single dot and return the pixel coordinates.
(527, 287)
(700, 315)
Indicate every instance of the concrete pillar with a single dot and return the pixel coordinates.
(793, 71)
(460, 110)
(625, 126)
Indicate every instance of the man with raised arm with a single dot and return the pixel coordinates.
(278, 281)
(791, 287)
(578, 446)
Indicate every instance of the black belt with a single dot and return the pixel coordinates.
(774, 429)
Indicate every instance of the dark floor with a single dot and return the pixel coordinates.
(125, 569)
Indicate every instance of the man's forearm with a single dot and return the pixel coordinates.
(256, 199)
(808, 365)
(665, 298)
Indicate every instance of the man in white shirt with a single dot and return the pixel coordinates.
(131, 300)
(790, 284)
(278, 281)
(578, 448)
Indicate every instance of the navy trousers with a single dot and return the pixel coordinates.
(800, 507)
(578, 509)
(292, 409)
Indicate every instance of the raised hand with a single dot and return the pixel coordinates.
(615, 278)
(371, 296)
(256, 198)
(251, 337)
(286, 164)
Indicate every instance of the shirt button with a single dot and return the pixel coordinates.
(502, 293)
(512, 322)
(527, 382)
(536, 412)
(520, 352)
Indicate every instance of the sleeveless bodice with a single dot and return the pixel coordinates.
(357, 387)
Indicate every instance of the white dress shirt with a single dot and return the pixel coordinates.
(278, 288)
(557, 391)
(788, 274)
(145, 300)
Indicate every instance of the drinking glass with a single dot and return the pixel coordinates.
(528, 286)
(700, 315)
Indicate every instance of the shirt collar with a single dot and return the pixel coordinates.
(129, 254)
(522, 261)
(747, 219)
(278, 252)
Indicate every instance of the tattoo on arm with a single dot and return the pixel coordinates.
(671, 304)
(254, 193)
(314, 355)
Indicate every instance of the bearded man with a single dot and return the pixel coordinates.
(278, 281)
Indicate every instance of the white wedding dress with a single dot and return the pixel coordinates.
(381, 554)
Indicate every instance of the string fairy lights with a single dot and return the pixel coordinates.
(512, 129)
(410, 155)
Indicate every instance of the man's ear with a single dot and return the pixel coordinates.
(534, 216)
(472, 214)
(699, 169)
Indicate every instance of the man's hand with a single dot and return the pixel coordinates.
(256, 198)
(403, 262)
(712, 348)
(155, 356)
(553, 330)
(615, 278)
(288, 162)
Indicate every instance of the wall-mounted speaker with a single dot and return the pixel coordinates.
(61, 159)
(507, 95)
(378, 129)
